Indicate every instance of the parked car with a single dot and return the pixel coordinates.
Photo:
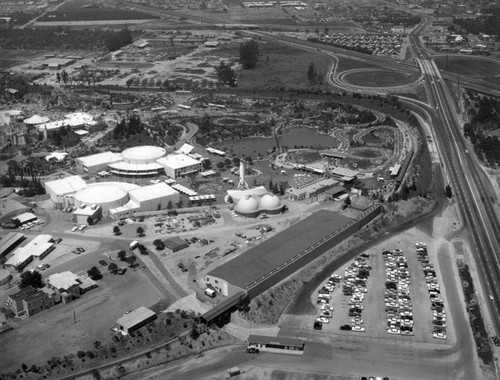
(252, 350)
(122, 270)
(102, 262)
(74, 228)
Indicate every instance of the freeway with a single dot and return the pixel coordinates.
(467, 184)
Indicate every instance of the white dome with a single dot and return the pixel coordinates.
(106, 194)
(247, 205)
(143, 154)
(269, 202)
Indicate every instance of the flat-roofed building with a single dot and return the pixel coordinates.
(97, 162)
(276, 344)
(10, 242)
(180, 165)
(24, 218)
(38, 248)
(82, 214)
(135, 320)
(154, 197)
(60, 188)
(312, 189)
(29, 301)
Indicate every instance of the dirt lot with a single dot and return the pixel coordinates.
(57, 333)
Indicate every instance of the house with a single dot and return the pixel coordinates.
(29, 301)
(135, 319)
(67, 284)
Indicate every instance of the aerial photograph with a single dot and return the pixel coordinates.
(250, 190)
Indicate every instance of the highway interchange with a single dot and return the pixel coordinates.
(471, 191)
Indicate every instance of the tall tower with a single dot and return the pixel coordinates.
(242, 184)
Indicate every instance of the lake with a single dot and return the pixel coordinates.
(294, 137)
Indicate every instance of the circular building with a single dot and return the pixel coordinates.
(139, 161)
(108, 195)
(270, 202)
(248, 206)
(251, 206)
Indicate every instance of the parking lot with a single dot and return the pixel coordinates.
(393, 293)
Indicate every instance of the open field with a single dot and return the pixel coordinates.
(350, 64)
(14, 57)
(34, 341)
(286, 67)
(379, 78)
(466, 65)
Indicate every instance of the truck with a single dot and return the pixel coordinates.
(134, 245)
(210, 292)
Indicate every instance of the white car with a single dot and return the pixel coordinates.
(326, 314)
(74, 228)
(358, 328)
(326, 306)
(82, 227)
(393, 331)
(322, 320)
(439, 335)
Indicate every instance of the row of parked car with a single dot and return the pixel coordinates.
(437, 304)
(78, 228)
(398, 305)
(354, 286)
(29, 225)
(324, 301)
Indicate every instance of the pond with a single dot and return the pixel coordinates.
(293, 138)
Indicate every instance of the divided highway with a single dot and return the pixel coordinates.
(468, 189)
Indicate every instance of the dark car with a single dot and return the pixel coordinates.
(253, 350)
(346, 327)
(102, 262)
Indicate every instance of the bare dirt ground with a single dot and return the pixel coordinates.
(56, 332)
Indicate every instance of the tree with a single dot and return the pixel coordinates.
(116, 230)
(94, 273)
(122, 255)
(33, 279)
(249, 54)
(448, 192)
(90, 221)
(113, 268)
(225, 74)
(194, 333)
(347, 201)
(131, 260)
(140, 231)
(170, 205)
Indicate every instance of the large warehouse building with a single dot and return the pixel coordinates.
(140, 161)
(147, 198)
(60, 188)
(97, 162)
(260, 261)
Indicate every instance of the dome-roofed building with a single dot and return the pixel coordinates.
(270, 201)
(252, 205)
(140, 161)
(248, 206)
(108, 195)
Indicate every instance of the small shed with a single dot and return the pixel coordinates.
(135, 320)
(176, 244)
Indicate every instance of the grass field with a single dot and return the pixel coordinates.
(380, 78)
(350, 64)
(472, 66)
(14, 57)
(286, 67)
